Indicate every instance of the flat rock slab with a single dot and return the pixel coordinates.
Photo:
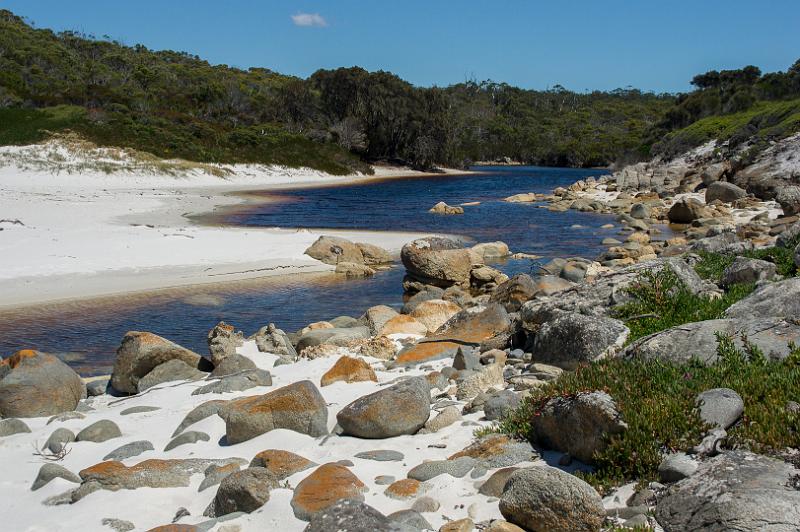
(381, 455)
(736, 490)
(699, 339)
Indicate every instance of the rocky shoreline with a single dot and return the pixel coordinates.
(387, 421)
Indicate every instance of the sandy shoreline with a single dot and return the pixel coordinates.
(86, 235)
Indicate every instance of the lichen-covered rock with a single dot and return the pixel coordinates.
(773, 299)
(444, 208)
(434, 313)
(348, 369)
(513, 293)
(377, 415)
(686, 211)
(298, 407)
(331, 336)
(439, 261)
(243, 491)
(270, 339)
(578, 425)
(736, 490)
(333, 250)
(223, 341)
(141, 352)
(465, 328)
(34, 384)
(281, 464)
(348, 515)
(374, 254)
(746, 270)
(351, 269)
(572, 339)
(403, 324)
(546, 499)
(497, 450)
(169, 371)
(699, 339)
(724, 191)
(406, 488)
(323, 488)
(115, 475)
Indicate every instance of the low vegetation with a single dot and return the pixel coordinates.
(661, 301)
(657, 401)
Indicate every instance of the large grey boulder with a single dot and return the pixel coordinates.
(172, 370)
(270, 339)
(223, 341)
(605, 292)
(378, 414)
(789, 200)
(231, 365)
(298, 407)
(720, 407)
(725, 243)
(546, 499)
(572, 339)
(439, 261)
(578, 425)
(243, 491)
(513, 293)
(745, 270)
(737, 490)
(686, 211)
(773, 299)
(34, 384)
(141, 352)
(699, 339)
(675, 467)
(724, 192)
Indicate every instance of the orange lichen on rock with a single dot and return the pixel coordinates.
(322, 488)
(281, 464)
(349, 369)
(406, 488)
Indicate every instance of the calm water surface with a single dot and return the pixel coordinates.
(86, 333)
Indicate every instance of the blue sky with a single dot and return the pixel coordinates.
(588, 44)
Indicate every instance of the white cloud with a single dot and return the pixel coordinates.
(311, 20)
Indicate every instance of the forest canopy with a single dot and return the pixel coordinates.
(174, 104)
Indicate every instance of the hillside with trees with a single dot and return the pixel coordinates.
(176, 105)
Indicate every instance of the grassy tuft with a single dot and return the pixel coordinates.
(661, 300)
(657, 401)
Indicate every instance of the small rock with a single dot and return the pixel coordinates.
(406, 488)
(445, 418)
(129, 450)
(381, 455)
(139, 410)
(323, 488)
(460, 525)
(720, 407)
(9, 427)
(425, 504)
(282, 464)
(410, 518)
(215, 473)
(58, 439)
(191, 436)
(237, 382)
(50, 471)
(348, 369)
(100, 431)
(494, 485)
(676, 467)
(457, 467)
(244, 491)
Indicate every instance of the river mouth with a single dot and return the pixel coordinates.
(86, 333)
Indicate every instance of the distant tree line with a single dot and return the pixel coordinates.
(174, 104)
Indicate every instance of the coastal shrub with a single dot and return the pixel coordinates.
(657, 401)
(660, 300)
(711, 265)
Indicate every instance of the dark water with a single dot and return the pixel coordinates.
(88, 332)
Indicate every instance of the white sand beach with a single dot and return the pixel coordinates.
(71, 230)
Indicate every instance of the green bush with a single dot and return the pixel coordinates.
(657, 401)
(660, 301)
